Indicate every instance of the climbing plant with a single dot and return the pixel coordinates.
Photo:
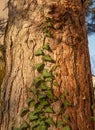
(39, 111)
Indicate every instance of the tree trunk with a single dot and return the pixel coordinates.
(68, 42)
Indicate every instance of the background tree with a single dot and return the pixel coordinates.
(55, 30)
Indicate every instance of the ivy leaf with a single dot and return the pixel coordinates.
(50, 121)
(43, 86)
(48, 58)
(16, 129)
(47, 47)
(32, 116)
(48, 110)
(42, 116)
(30, 102)
(60, 123)
(24, 112)
(41, 96)
(39, 52)
(49, 24)
(66, 103)
(66, 117)
(46, 74)
(37, 80)
(40, 67)
(34, 124)
(93, 118)
(55, 84)
(50, 94)
(42, 104)
(37, 111)
(41, 127)
(24, 126)
(47, 32)
(66, 127)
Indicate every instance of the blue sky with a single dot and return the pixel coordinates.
(91, 40)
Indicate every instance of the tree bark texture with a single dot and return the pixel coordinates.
(24, 35)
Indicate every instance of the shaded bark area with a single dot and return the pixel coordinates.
(24, 35)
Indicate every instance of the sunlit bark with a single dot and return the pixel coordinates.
(24, 35)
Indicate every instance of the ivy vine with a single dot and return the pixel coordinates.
(40, 116)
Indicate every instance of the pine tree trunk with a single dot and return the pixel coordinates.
(24, 35)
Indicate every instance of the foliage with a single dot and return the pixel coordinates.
(38, 118)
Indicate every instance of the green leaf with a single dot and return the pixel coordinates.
(50, 94)
(47, 32)
(66, 117)
(55, 84)
(37, 111)
(46, 47)
(49, 79)
(93, 118)
(32, 116)
(66, 127)
(39, 52)
(37, 80)
(50, 121)
(41, 96)
(16, 129)
(66, 103)
(41, 127)
(49, 24)
(34, 125)
(24, 112)
(42, 116)
(42, 104)
(30, 102)
(40, 67)
(46, 74)
(48, 58)
(60, 123)
(48, 110)
(43, 86)
(24, 126)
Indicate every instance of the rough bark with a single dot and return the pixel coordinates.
(24, 35)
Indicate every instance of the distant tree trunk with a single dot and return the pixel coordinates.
(24, 35)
